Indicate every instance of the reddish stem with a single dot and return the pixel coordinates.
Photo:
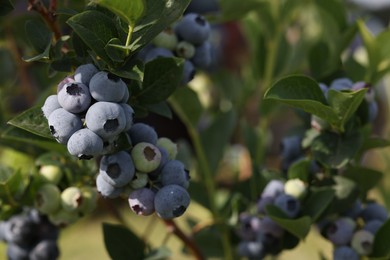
(188, 241)
(49, 15)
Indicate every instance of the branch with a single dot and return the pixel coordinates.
(49, 15)
(174, 229)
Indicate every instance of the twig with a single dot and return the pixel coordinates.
(174, 229)
(49, 15)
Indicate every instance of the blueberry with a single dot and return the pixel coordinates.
(63, 218)
(341, 84)
(362, 241)
(47, 198)
(288, 204)
(169, 146)
(373, 211)
(345, 253)
(141, 132)
(74, 97)
(171, 201)
(202, 57)
(117, 169)
(45, 250)
(140, 180)
(17, 252)
(126, 96)
(107, 87)
(3, 227)
(51, 104)
(188, 72)
(291, 147)
(248, 227)
(129, 114)
(273, 189)
(251, 249)
(88, 203)
(372, 111)
(141, 201)
(84, 73)
(354, 210)
(166, 39)
(268, 226)
(19, 230)
(63, 124)
(155, 174)
(50, 173)
(71, 198)
(63, 82)
(373, 226)
(295, 188)
(185, 50)
(105, 189)
(158, 52)
(263, 202)
(146, 157)
(340, 231)
(106, 119)
(174, 172)
(324, 88)
(193, 28)
(370, 94)
(85, 144)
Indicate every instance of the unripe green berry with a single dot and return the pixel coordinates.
(362, 242)
(146, 157)
(47, 198)
(185, 50)
(168, 145)
(71, 199)
(139, 181)
(166, 39)
(296, 188)
(88, 203)
(63, 218)
(51, 173)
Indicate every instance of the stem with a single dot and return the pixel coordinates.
(128, 39)
(174, 229)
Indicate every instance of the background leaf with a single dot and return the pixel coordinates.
(381, 242)
(6, 7)
(129, 10)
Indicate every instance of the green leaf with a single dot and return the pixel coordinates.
(161, 77)
(160, 253)
(304, 93)
(209, 241)
(121, 243)
(39, 37)
(317, 202)
(234, 10)
(381, 242)
(299, 227)
(32, 120)
(217, 136)
(345, 104)
(116, 54)
(97, 34)
(300, 170)
(365, 178)
(335, 150)
(158, 16)
(128, 10)
(6, 7)
(161, 109)
(186, 103)
(375, 142)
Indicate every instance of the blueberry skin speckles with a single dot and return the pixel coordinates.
(84, 73)
(174, 172)
(193, 28)
(106, 119)
(85, 144)
(105, 86)
(51, 104)
(141, 201)
(171, 201)
(63, 124)
(117, 169)
(74, 97)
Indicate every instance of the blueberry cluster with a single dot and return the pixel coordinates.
(260, 235)
(30, 235)
(62, 206)
(89, 112)
(148, 175)
(187, 39)
(353, 232)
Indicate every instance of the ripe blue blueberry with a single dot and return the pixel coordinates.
(85, 144)
(158, 52)
(248, 227)
(105, 86)
(202, 57)
(353, 211)
(340, 231)
(74, 97)
(263, 202)
(117, 169)
(341, 84)
(51, 104)
(141, 132)
(63, 124)
(84, 73)
(174, 172)
(45, 249)
(188, 72)
(171, 201)
(155, 174)
(362, 241)
(373, 211)
(270, 227)
(291, 147)
(273, 189)
(65, 81)
(105, 189)
(19, 229)
(373, 226)
(251, 249)
(17, 252)
(345, 253)
(193, 28)
(373, 110)
(129, 114)
(141, 201)
(288, 204)
(106, 119)
(146, 157)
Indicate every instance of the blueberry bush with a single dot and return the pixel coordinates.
(246, 128)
